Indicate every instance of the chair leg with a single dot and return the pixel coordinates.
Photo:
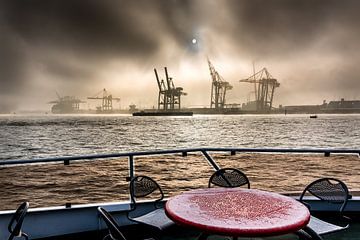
(25, 236)
(203, 236)
(302, 235)
(107, 237)
(313, 235)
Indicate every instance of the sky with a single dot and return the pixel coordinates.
(79, 47)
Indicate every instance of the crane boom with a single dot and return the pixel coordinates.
(107, 99)
(169, 97)
(265, 86)
(218, 88)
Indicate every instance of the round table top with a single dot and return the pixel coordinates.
(238, 212)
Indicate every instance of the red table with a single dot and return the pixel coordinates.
(238, 212)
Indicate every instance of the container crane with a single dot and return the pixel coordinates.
(219, 88)
(107, 99)
(265, 86)
(169, 97)
(66, 104)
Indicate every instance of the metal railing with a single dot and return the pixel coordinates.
(204, 151)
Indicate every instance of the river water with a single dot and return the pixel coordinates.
(24, 137)
(44, 136)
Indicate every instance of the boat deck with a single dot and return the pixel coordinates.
(352, 233)
(54, 221)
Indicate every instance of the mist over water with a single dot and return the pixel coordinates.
(46, 136)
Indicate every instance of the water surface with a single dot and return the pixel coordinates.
(43, 136)
(104, 181)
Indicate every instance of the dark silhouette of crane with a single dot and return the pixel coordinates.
(218, 88)
(66, 104)
(265, 86)
(169, 97)
(107, 99)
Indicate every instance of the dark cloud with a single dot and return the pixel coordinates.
(85, 27)
(73, 40)
(88, 31)
(66, 70)
(91, 30)
(13, 67)
(318, 32)
(12, 61)
(280, 27)
(180, 19)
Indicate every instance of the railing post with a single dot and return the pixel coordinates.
(131, 171)
(210, 160)
(131, 168)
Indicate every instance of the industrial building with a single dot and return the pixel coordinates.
(342, 106)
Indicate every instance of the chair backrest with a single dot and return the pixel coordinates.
(16, 221)
(113, 227)
(142, 186)
(331, 190)
(229, 177)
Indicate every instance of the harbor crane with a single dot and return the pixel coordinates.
(65, 104)
(218, 88)
(169, 97)
(264, 85)
(107, 99)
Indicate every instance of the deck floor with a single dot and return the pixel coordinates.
(352, 233)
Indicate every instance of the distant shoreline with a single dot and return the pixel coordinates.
(195, 112)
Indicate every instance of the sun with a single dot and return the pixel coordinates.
(194, 41)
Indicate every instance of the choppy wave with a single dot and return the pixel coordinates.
(44, 136)
(102, 181)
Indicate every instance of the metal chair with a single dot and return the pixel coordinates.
(114, 229)
(16, 222)
(329, 190)
(229, 177)
(144, 187)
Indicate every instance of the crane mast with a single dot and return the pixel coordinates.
(219, 88)
(169, 97)
(107, 100)
(265, 86)
(65, 104)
